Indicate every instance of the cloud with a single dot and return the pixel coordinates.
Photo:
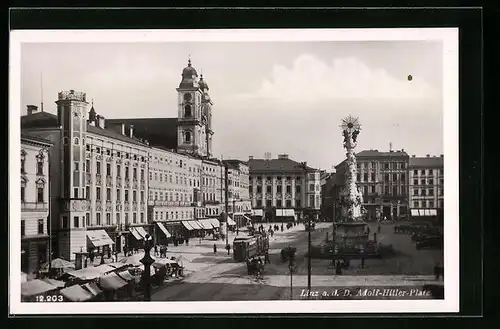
(311, 79)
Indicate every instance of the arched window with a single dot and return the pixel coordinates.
(187, 137)
(65, 140)
(187, 111)
(76, 141)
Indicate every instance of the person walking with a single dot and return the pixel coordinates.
(266, 258)
(156, 250)
(228, 248)
(378, 228)
(215, 248)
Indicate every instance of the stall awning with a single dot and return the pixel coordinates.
(99, 238)
(215, 222)
(111, 282)
(414, 212)
(76, 294)
(55, 283)
(205, 223)
(257, 212)
(289, 212)
(125, 275)
(93, 288)
(433, 212)
(187, 226)
(89, 273)
(136, 234)
(230, 221)
(164, 230)
(141, 231)
(423, 212)
(195, 225)
(35, 287)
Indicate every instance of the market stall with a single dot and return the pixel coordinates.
(76, 294)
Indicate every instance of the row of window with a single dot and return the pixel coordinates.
(429, 182)
(178, 180)
(279, 178)
(118, 194)
(169, 196)
(427, 204)
(386, 165)
(288, 203)
(160, 215)
(119, 154)
(79, 222)
(40, 194)
(425, 192)
(40, 226)
(39, 167)
(87, 168)
(279, 189)
(428, 171)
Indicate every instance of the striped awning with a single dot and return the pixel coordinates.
(187, 226)
(136, 234)
(164, 229)
(215, 222)
(205, 223)
(257, 212)
(423, 212)
(230, 221)
(141, 231)
(196, 225)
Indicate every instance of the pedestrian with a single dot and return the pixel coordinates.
(378, 228)
(91, 256)
(266, 258)
(156, 250)
(338, 268)
(109, 253)
(125, 251)
(228, 248)
(282, 228)
(215, 248)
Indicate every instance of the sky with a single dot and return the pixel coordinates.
(277, 97)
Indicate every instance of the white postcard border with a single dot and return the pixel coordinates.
(449, 38)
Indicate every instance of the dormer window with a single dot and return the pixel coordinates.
(187, 111)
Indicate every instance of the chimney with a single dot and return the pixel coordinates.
(250, 157)
(32, 109)
(123, 129)
(413, 155)
(441, 155)
(428, 155)
(100, 121)
(402, 150)
(282, 156)
(131, 131)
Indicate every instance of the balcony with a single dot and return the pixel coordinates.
(34, 206)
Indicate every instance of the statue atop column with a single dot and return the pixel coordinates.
(350, 130)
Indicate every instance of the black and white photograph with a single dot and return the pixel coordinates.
(234, 171)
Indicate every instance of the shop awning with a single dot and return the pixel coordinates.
(55, 283)
(414, 212)
(195, 225)
(423, 212)
(76, 293)
(433, 212)
(279, 213)
(230, 221)
(289, 212)
(164, 229)
(141, 231)
(35, 287)
(257, 212)
(99, 238)
(136, 234)
(111, 282)
(215, 222)
(205, 223)
(93, 288)
(187, 226)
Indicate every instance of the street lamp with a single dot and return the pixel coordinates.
(147, 260)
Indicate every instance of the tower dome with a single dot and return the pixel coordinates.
(189, 76)
(202, 83)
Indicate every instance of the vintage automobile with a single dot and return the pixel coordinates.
(288, 252)
(431, 242)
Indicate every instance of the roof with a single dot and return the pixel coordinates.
(234, 163)
(39, 120)
(46, 120)
(273, 165)
(157, 131)
(426, 162)
(38, 140)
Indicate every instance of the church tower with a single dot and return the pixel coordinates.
(72, 113)
(192, 121)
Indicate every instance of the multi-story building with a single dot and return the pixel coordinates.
(35, 184)
(239, 204)
(98, 183)
(382, 178)
(284, 187)
(212, 188)
(329, 192)
(426, 190)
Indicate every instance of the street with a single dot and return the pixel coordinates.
(221, 278)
